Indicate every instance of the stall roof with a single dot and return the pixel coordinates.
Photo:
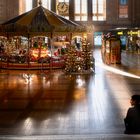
(39, 21)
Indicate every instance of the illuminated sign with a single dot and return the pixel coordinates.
(138, 33)
(120, 33)
(130, 33)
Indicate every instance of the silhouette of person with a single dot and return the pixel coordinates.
(132, 120)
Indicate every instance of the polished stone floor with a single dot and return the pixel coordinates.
(43, 105)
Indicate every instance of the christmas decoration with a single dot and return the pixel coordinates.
(79, 61)
(88, 60)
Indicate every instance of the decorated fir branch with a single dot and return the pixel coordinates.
(87, 55)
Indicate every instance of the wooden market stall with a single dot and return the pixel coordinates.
(111, 50)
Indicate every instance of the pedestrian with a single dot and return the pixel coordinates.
(132, 120)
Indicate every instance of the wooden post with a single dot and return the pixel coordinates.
(51, 62)
(28, 53)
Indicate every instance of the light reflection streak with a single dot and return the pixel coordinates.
(27, 78)
(80, 82)
(117, 71)
(48, 84)
(79, 94)
(28, 123)
(122, 100)
(122, 95)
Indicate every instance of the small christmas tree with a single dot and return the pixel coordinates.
(71, 64)
(87, 56)
(79, 62)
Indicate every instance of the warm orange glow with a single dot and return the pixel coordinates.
(79, 94)
(35, 53)
(43, 53)
(85, 36)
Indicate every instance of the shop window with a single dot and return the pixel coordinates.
(98, 38)
(123, 42)
(98, 10)
(80, 10)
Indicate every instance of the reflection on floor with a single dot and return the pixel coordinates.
(51, 103)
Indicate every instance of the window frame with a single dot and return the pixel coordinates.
(98, 15)
(81, 14)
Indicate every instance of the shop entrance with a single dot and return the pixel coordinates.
(123, 39)
(97, 39)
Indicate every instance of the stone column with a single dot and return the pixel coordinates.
(53, 5)
(71, 10)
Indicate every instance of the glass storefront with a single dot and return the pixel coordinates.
(98, 39)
